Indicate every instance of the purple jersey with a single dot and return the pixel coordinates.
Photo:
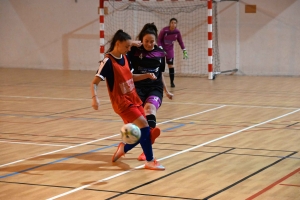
(167, 38)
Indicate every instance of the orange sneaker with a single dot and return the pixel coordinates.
(142, 157)
(154, 165)
(154, 133)
(120, 152)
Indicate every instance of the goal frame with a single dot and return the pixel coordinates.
(210, 53)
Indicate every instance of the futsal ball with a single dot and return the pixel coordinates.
(130, 133)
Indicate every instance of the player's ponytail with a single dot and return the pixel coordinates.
(121, 36)
(149, 28)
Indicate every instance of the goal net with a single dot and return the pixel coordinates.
(131, 16)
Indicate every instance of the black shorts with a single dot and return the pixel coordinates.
(146, 92)
(169, 61)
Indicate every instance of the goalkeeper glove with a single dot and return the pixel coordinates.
(185, 55)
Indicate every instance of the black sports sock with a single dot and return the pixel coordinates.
(172, 74)
(151, 120)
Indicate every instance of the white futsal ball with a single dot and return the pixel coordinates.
(130, 133)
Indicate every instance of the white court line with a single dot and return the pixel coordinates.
(172, 155)
(192, 114)
(40, 144)
(70, 147)
(232, 105)
(182, 103)
(52, 98)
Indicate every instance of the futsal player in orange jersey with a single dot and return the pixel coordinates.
(114, 68)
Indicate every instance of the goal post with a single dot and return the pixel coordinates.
(210, 39)
(197, 23)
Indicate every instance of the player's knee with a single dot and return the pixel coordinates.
(150, 109)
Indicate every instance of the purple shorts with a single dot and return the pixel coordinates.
(154, 100)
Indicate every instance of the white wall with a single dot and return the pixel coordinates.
(55, 34)
(269, 39)
(63, 34)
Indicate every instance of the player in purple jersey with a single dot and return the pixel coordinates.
(148, 62)
(166, 39)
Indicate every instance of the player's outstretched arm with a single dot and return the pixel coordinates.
(180, 41)
(160, 39)
(169, 94)
(139, 77)
(94, 86)
(136, 43)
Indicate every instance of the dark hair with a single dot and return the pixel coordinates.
(121, 36)
(173, 19)
(148, 28)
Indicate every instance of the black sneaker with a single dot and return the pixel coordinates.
(172, 85)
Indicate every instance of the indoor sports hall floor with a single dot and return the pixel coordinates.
(232, 138)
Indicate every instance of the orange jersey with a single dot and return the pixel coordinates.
(123, 94)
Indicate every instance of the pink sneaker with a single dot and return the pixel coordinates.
(120, 152)
(154, 133)
(142, 157)
(154, 165)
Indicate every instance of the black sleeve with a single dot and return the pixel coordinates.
(162, 65)
(130, 56)
(107, 73)
(129, 61)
